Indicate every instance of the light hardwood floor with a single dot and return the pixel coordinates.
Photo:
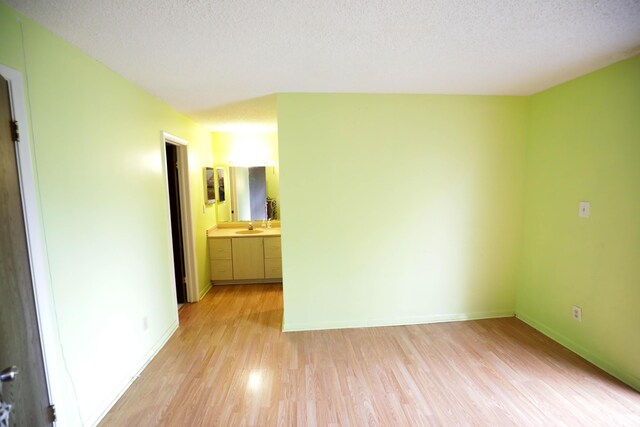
(230, 365)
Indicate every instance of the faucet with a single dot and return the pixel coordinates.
(250, 227)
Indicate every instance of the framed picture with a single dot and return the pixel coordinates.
(209, 180)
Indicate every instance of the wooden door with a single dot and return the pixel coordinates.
(19, 333)
(248, 258)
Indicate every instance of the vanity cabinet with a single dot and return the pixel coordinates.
(245, 259)
(272, 258)
(248, 258)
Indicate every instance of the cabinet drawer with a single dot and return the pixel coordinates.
(272, 268)
(220, 248)
(221, 269)
(272, 247)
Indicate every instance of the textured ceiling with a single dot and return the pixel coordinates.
(200, 55)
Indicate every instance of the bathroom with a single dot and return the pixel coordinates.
(244, 245)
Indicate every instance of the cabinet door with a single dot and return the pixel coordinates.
(248, 258)
(272, 268)
(272, 247)
(221, 269)
(219, 248)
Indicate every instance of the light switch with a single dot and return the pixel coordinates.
(584, 209)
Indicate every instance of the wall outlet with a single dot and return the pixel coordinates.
(584, 209)
(145, 323)
(576, 313)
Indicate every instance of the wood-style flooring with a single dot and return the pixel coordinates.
(229, 364)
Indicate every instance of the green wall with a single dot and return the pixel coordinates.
(399, 208)
(96, 140)
(584, 145)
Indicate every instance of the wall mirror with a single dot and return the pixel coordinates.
(253, 194)
(221, 186)
(210, 189)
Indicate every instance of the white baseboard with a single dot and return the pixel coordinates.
(124, 386)
(247, 282)
(629, 379)
(414, 320)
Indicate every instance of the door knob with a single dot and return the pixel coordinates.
(9, 374)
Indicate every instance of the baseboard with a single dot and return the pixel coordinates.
(630, 380)
(414, 320)
(246, 282)
(204, 291)
(124, 386)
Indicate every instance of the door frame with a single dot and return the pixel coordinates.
(52, 356)
(188, 237)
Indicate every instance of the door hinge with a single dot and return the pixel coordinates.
(52, 413)
(15, 131)
(184, 280)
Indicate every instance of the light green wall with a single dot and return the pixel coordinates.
(10, 39)
(245, 148)
(584, 145)
(98, 157)
(399, 208)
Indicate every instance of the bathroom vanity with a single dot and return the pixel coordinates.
(239, 255)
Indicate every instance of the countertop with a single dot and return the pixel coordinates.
(232, 232)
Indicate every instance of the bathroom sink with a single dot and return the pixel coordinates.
(249, 231)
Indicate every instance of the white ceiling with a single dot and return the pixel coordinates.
(200, 55)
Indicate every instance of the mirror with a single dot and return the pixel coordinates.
(209, 186)
(220, 172)
(253, 194)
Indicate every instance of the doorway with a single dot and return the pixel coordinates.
(173, 181)
(180, 225)
(23, 380)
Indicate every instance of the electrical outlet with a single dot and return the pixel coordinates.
(576, 313)
(145, 323)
